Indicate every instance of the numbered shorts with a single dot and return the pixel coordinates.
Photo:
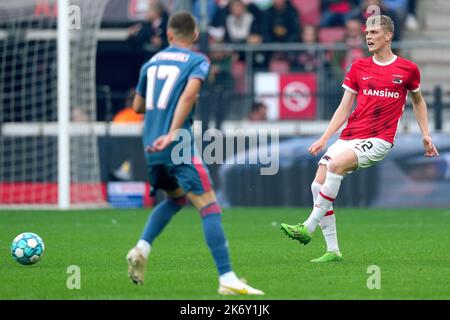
(369, 151)
(192, 177)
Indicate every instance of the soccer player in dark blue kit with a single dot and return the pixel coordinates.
(168, 87)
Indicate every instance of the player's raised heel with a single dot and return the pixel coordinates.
(297, 232)
(136, 266)
(239, 288)
(330, 256)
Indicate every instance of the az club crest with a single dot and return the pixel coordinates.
(397, 79)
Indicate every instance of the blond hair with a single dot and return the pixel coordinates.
(385, 22)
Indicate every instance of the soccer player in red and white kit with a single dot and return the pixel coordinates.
(380, 84)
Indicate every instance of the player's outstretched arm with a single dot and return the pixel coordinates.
(182, 110)
(421, 114)
(338, 119)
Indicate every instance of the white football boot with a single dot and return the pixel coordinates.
(239, 287)
(136, 265)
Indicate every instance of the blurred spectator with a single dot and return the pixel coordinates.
(151, 32)
(79, 114)
(256, 11)
(137, 9)
(216, 28)
(400, 7)
(258, 112)
(223, 10)
(127, 114)
(220, 66)
(309, 59)
(196, 10)
(238, 21)
(282, 22)
(262, 4)
(334, 12)
(220, 83)
(355, 41)
(411, 18)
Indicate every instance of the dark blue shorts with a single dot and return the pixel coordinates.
(193, 177)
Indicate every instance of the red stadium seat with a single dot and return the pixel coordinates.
(332, 34)
(309, 11)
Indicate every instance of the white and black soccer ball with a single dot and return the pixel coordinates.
(27, 248)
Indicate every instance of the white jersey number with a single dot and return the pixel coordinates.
(169, 74)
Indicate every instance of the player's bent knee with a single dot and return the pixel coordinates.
(338, 167)
(201, 200)
(333, 167)
(344, 162)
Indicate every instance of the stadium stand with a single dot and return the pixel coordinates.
(433, 17)
(309, 11)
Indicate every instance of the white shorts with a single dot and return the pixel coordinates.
(369, 151)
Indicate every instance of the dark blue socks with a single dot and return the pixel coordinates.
(215, 236)
(161, 216)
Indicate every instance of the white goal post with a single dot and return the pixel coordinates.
(47, 77)
(63, 86)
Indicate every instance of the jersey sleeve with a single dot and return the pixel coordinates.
(351, 80)
(141, 87)
(414, 80)
(200, 70)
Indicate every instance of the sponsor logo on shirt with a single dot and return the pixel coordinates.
(381, 93)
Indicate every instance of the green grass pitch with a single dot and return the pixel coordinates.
(411, 247)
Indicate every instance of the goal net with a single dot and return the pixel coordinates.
(29, 129)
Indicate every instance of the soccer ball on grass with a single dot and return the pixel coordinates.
(27, 248)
